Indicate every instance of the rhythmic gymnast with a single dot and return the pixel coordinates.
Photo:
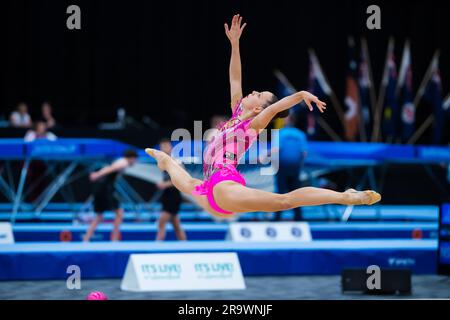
(224, 192)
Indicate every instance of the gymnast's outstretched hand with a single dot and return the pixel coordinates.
(309, 97)
(234, 33)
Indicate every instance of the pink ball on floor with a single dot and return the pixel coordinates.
(96, 295)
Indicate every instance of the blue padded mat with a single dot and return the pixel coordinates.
(322, 257)
(25, 232)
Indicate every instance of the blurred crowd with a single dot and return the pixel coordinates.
(38, 128)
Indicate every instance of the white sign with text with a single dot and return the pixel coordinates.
(183, 271)
(6, 233)
(269, 231)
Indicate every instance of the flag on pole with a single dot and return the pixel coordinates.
(433, 96)
(446, 105)
(317, 81)
(318, 86)
(284, 89)
(365, 85)
(391, 110)
(352, 113)
(405, 91)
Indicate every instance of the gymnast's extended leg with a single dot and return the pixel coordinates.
(180, 178)
(237, 198)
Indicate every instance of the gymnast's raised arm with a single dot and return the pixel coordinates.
(261, 121)
(233, 34)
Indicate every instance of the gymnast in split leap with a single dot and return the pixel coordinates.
(223, 191)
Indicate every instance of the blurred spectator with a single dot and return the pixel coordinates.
(20, 118)
(216, 122)
(103, 191)
(47, 115)
(35, 174)
(39, 132)
(122, 117)
(292, 152)
(170, 200)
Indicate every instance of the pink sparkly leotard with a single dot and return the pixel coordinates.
(222, 155)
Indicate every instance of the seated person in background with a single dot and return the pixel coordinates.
(47, 115)
(216, 122)
(20, 118)
(37, 167)
(39, 132)
(103, 191)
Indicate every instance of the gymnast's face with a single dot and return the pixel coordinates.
(257, 101)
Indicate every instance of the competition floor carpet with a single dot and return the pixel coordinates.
(264, 288)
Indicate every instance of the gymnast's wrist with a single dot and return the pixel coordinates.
(235, 43)
(300, 96)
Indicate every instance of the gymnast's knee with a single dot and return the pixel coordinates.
(193, 183)
(284, 201)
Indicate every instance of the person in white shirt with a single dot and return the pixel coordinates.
(39, 132)
(37, 167)
(20, 118)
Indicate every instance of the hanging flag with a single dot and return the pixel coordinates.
(317, 81)
(446, 105)
(318, 86)
(433, 96)
(390, 111)
(365, 87)
(352, 113)
(284, 89)
(405, 91)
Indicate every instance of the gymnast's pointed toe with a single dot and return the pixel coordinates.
(373, 197)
